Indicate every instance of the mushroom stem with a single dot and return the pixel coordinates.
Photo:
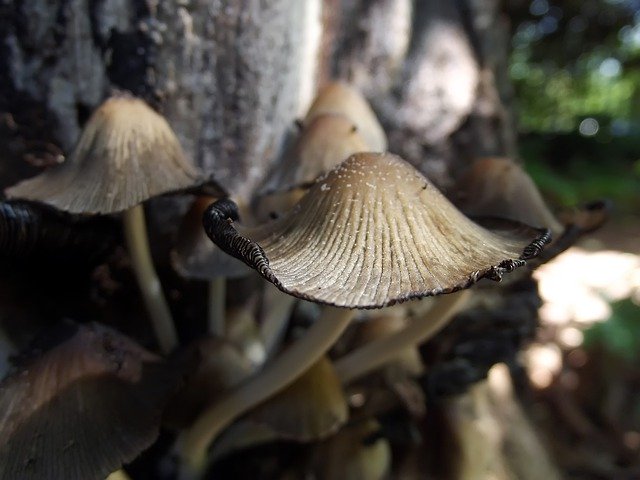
(377, 353)
(278, 308)
(216, 313)
(135, 232)
(274, 377)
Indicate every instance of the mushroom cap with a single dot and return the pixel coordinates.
(373, 232)
(327, 140)
(355, 453)
(340, 98)
(126, 154)
(81, 409)
(312, 407)
(498, 187)
(274, 205)
(194, 256)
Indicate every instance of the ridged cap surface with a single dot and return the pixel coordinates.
(373, 232)
(126, 154)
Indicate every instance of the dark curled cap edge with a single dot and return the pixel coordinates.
(217, 221)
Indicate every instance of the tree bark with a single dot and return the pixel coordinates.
(230, 76)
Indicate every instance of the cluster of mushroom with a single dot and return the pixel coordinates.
(339, 222)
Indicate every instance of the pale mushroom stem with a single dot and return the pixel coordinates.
(119, 475)
(274, 377)
(278, 307)
(377, 353)
(135, 232)
(216, 313)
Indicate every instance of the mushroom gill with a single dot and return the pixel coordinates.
(373, 232)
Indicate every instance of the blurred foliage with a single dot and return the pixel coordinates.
(570, 169)
(573, 59)
(620, 334)
(575, 68)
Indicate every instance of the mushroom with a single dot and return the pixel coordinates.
(340, 98)
(325, 142)
(127, 153)
(195, 257)
(82, 408)
(370, 233)
(310, 408)
(498, 187)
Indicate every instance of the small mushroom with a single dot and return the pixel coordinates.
(195, 257)
(370, 233)
(340, 98)
(82, 408)
(310, 408)
(127, 153)
(498, 187)
(326, 141)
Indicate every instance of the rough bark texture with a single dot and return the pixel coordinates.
(227, 74)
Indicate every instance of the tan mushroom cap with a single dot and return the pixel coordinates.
(372, 232)
(311, 408)
(81, 409)
(127, 153)
(498, 187)
(194, 256)
(340, 98)
(326, 141)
